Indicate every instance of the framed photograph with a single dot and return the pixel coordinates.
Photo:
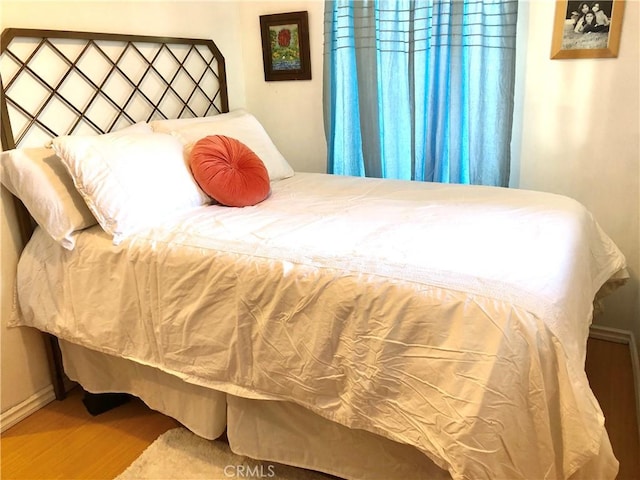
(285, 46)
(587, 29)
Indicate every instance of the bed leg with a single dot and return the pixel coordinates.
(55, 366)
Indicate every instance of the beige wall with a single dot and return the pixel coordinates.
(23, 360)
(590, 153)
(214, 19)
(581, 137)
(290, 111)
(24, 368)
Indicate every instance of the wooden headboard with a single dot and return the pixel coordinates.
(60, 82)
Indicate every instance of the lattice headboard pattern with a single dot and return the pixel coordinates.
(60, 82)
(56, 82)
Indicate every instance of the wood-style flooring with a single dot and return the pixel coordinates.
(610, 375)
(62, 441)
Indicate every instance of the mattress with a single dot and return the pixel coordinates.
(450, 318)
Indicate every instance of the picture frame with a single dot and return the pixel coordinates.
(582, 31)
(285, 46)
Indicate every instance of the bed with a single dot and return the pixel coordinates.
(366, 328)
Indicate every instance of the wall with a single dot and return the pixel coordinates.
(24, 368)
(590, 153)
(290, 111)
(564, 142)
(23, 359)
(581, 137)
(214, 19)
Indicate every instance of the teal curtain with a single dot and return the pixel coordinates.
(420, 89)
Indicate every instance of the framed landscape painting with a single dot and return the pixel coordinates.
(587, 29)
(285, 46)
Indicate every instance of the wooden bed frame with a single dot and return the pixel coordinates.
(163, 76)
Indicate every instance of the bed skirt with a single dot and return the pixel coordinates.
(201, 410)
(268, 430)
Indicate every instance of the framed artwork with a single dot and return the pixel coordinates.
(587, 29)
(285, 46)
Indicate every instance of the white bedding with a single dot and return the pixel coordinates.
(446, 317)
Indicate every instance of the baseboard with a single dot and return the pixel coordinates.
(626, 337)
(21, 411)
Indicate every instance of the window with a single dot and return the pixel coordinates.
(420, 90)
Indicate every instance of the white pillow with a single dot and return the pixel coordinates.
(239, 125)
(130, 182)
(41, 181)
(171, 124)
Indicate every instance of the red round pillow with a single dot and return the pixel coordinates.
(229, 172)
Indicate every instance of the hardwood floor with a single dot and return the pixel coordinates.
(610, 375)
(63, 441)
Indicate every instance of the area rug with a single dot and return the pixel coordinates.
(180, 454)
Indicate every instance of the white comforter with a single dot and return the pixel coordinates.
(450, 318)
